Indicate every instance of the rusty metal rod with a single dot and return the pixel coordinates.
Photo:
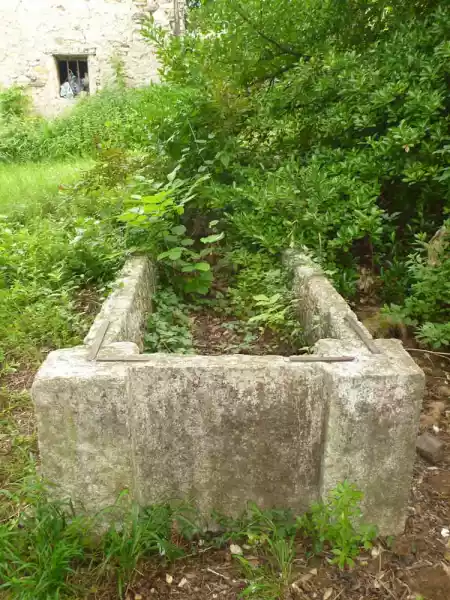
(98, 341)
(306, 358)
(122, 358)
(362, 335)
(328, 359)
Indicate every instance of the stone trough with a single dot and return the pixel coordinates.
(226, 430)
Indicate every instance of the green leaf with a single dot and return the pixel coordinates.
(155, 198)
(178, 230)
(211, 239)
(261, 298)
(170, 238)
(172, 254)
(225, 160)
(171, 176)
(202, 266)
(133, 219)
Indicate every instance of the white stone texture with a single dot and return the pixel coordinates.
(33, 32)
(128, 305)
(225, 430)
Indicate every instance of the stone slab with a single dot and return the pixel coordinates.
(430, 448)
(228, 430)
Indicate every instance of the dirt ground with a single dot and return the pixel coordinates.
(215, 334)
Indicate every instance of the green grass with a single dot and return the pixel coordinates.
(28, 191)
(18, 445)
(55, 252)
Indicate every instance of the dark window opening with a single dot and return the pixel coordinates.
(73, 73)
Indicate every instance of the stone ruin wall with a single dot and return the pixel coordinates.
(34, 32)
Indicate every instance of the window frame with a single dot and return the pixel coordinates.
(68, 58)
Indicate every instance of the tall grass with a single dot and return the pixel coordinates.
(53, 247)
(113, 118)
(48, 552)
(29, 190)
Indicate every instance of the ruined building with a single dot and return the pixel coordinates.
(59, 50)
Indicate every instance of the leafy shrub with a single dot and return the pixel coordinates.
(427, 307)
(153, 220)
(327, 128)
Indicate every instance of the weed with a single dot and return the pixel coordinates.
(17, 440)
(260, 295)
(168, 327)
(337, 524)
(269, 580)
(40, 549)
(260, 583)
(271, 534)
(49, 551)
(46, 546)
(140, 534)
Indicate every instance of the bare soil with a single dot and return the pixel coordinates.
(218, 334)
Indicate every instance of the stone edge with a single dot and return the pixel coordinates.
(128, 305)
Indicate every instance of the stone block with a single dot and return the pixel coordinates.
(430, 448)
(373, 411)
(84, 433)
(226, 430)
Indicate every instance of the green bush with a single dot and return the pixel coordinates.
(327, 128)
(427, 307)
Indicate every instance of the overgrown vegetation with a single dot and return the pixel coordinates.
(279, 124)
(57, 254)
(116, 118)
(49, 552)
(328, 128)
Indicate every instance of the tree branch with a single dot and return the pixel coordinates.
(284, 49)
(273, 75)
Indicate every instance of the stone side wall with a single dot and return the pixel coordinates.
(33, 32)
